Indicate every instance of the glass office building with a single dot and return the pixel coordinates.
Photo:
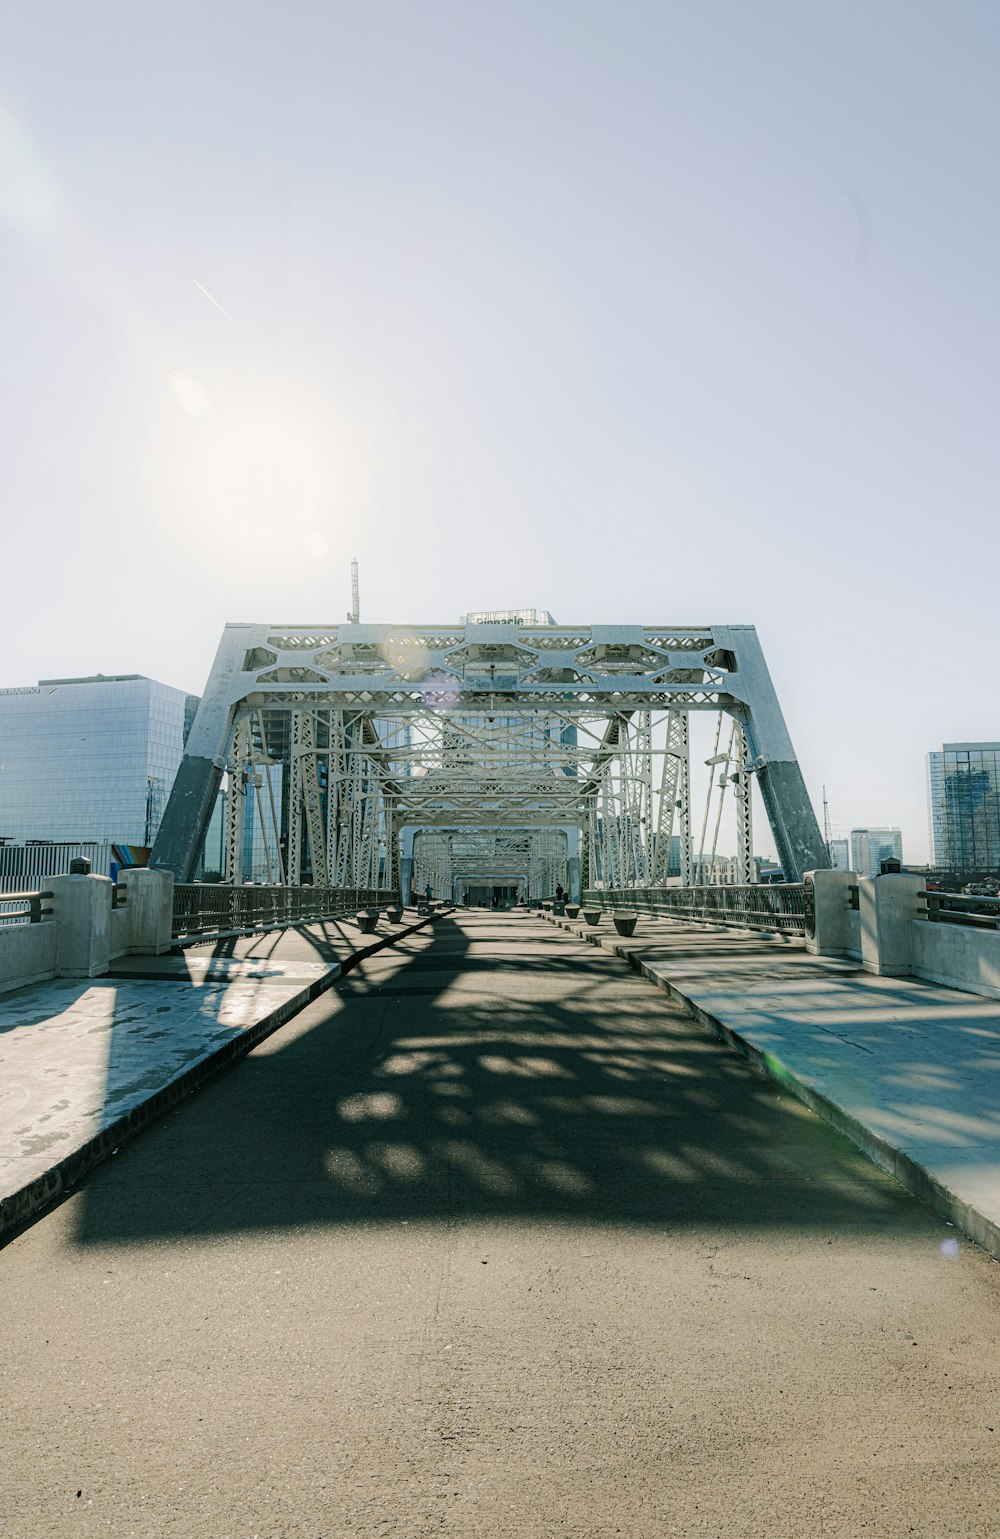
(963, 794)
(90, 758)
(871, 846)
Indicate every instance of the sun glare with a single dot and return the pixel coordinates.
(272, 460)
(315, 544)
(188, 394)
(260, 468)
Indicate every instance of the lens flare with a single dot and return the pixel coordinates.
(440, 691)
(188, 394)
(949, 1248)
(407, 654)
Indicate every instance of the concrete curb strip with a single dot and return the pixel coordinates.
(916, 1178)
(24, 1204)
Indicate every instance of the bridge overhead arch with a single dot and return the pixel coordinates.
(334, 740)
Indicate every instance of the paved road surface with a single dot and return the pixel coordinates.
(491, 1240)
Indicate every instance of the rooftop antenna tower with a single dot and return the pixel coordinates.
(355, 611)
(827, 830)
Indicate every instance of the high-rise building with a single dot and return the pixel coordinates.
(840, 854)
(871, 846)
(91, 758)
(963, 794)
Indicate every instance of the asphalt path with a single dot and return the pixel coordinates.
(493, 1240)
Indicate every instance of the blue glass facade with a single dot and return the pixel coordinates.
(89, 758)
(963, 792)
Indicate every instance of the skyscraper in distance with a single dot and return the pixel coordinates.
(89, 758)
(871, 846)
(963, 797)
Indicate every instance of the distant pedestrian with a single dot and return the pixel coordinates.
(559, 892)
(428, 892)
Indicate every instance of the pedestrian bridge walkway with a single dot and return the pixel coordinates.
(493, 1238)
(907, 1070)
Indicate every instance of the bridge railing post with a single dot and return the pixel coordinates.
(81, 907)
(829, 936)
(887, 905)
(150, 911)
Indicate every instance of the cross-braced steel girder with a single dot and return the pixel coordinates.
(450, 860)
(500, 725)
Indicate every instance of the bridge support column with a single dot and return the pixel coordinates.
(744, 810)
(406, 866)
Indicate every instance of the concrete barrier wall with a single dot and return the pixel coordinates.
(959, 956)
(85, 933)
(27, 954)
(887, 933)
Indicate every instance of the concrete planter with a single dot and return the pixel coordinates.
(625, 923)
(592, 915)
(393, 914)
(572, 909)
(559, 909)
(366, 921)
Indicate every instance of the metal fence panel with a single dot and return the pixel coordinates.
(770, 906)
(24, 908)
(206, 909)
(979, 911)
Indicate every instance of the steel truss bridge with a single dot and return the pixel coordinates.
(509, 751)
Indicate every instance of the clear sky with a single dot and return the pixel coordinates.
(637, 312)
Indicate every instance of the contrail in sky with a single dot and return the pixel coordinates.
(212, 297)
(863, 250)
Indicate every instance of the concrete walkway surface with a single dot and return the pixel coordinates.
(493, 1240)
(909, 1071)
(84, 1063)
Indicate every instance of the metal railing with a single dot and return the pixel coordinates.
(210, 908)
(961, 908)
(784, 906)
(23, 907)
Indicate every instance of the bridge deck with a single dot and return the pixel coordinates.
(493, 1239)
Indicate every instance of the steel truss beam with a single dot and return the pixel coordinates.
(467, 726)
(533, 860)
